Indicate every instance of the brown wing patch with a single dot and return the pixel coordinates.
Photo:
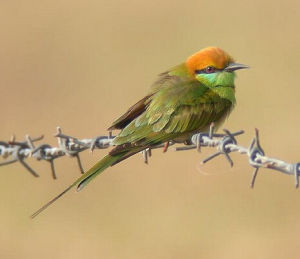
(133, 112)
(121, 148)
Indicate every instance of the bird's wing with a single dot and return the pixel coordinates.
(164, 79)
(172, 112)
(133, 112)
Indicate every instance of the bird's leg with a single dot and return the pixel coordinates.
(166, 147)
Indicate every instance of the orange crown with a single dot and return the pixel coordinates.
(211, 56)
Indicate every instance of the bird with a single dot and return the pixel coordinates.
(184, 100)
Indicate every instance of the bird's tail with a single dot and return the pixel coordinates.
(82, 181)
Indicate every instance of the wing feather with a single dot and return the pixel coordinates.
(133, 112)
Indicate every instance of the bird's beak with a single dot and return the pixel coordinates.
(235, 66)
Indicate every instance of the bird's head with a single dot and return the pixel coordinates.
(214, 68)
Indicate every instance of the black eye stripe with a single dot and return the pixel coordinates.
(205, 70)
(202, 71)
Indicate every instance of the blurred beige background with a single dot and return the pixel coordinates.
(80, 64)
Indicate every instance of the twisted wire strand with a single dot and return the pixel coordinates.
(13, 151)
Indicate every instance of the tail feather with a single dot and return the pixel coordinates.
(98, 168)
(82, 181)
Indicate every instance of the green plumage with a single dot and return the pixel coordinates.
(178, 106)
(180, 103)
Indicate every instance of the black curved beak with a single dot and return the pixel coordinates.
(235, 66)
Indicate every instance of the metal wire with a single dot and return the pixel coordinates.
(67, 146)
(226, 143)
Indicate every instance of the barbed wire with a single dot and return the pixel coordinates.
(13, 151)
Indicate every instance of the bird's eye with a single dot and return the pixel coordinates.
(207, 70)
(210, 69)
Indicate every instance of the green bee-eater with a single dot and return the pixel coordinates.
(183, 101)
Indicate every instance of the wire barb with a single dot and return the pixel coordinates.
(227, 143)
(17, 151)
(70, 146)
